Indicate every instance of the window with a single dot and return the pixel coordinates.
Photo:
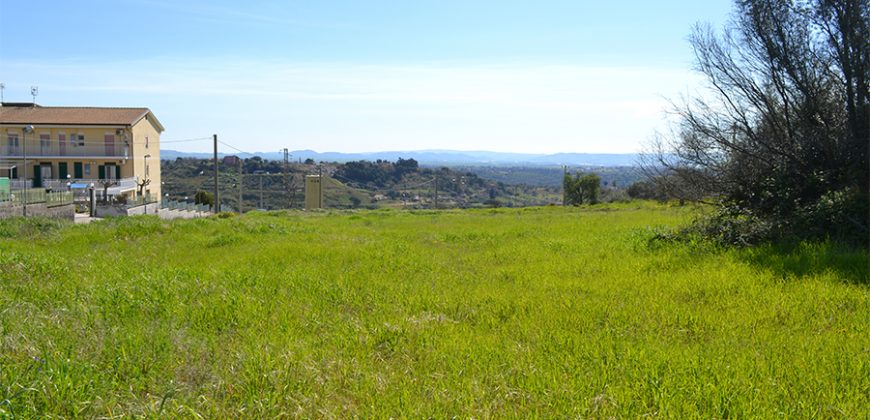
(109, 140)
(44, 143)
(111, 172)
(45, 171)
(87, 169)
(146, 142)
(12, 143)
(77, 139)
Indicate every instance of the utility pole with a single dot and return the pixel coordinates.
(261, 191)
(564, 174)
(217, 198)
(436, 190)
(320, 176)
(287, 176)
(24, 131)
(241, 178)
(293, 190)
(461, 188)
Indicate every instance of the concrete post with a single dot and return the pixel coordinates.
(93, 196)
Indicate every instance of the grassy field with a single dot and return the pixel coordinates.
(537, 312)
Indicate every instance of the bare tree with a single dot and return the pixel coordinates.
(782, 134)
(106, 183)
(142, 184)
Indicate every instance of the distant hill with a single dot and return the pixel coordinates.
(588, 159)
(442, 157)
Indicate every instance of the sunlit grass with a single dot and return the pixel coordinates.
(483, 313)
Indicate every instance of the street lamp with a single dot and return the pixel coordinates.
(145, 182)
(26, 129)
(147, 177)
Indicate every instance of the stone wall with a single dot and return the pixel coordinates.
(37, 209)
(119, 210)
(151, 208)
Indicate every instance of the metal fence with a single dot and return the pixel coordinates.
(184, 205)
(140, 201)
(37, 196)
(119, 186)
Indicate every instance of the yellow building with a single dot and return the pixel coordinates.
(59, 147)
(313, 192)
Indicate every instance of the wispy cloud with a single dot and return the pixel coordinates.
(351, 106)
(269, 13)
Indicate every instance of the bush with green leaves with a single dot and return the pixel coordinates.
(581, 188)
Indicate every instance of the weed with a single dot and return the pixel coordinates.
(542, 312)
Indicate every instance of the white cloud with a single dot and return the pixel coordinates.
(265, 105)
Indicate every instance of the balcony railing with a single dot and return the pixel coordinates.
(116, 151)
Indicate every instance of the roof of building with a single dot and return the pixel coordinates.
(17, 113)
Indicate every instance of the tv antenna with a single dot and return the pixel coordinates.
(2, 88)
(34, 90)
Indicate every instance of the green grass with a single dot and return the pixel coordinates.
(537, 312)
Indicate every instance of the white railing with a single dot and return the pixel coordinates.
(123, 185)
(55, 152)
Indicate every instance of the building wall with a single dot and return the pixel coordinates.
(146, 142)
(94, 141)
(91, 150)
(131, 145)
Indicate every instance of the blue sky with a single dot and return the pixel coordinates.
(513, 76)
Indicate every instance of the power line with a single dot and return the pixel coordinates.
(346, 180)
(185, 140)
(234, 147)
(261, 190)
(408, 187)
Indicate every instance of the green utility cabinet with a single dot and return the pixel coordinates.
(5, 189)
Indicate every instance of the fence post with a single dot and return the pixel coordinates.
(93, 197)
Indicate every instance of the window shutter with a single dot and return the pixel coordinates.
(102, 172)
(37, 176)
(117, 172)
(77, 170)
(62, 170)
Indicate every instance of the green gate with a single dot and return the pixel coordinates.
(4, 189)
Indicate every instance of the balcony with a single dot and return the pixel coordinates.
(54, 151)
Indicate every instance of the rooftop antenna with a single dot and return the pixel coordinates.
(34, 90)
(2, 88)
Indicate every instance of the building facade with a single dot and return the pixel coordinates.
(57, 148)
